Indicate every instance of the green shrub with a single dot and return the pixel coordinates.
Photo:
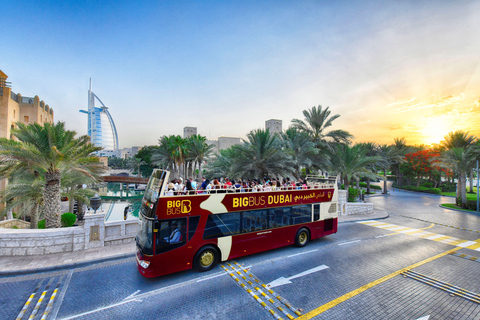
(41, 224)
(420, 189)
(14, 227)
(68, 219)
(471, 204)
(372, 186)
(427, 185)
(352, 194)
(448, 187)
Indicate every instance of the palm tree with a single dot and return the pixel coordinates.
(164, 155)
(461, 160)
(222, 163)
(352, 162)
(301, 148)
(25, 194)
(49, 150)
(462, 140)
(198, 151)
(317, 120)
(400, 148)
(262, 156)
(390, 155)
(371, 149)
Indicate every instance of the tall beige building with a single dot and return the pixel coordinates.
(16, 108)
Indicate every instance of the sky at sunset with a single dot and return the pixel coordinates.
(391, 69)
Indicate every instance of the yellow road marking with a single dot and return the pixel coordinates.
(345, 297)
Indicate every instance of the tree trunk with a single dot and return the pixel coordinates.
(81, 212)
(470, 180)
(385, 182)
(463, 190)
(368, 185)
(34, 217)
(51, 197)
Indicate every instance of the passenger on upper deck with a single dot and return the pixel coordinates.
(170, 189)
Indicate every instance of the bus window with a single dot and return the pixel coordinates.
(145, 236)
(171, 235)
(255, 220)
(276, 218)
(192, 226)
(316, 212)
(221, 225)
(301, 214)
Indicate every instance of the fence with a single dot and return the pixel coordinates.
(94, 233)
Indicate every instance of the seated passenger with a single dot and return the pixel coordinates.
(176, 235)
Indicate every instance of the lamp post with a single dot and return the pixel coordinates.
(95, 202)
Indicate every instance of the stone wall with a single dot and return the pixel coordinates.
(94, 233)
(347, 208)
(20, 224)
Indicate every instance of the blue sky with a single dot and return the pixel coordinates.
(389, 68)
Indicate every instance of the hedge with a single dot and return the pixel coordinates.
(372, 186)
(420, 189)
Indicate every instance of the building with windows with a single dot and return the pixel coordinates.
(189, 131)
(101, 128)
(273, 126)
(15, 108)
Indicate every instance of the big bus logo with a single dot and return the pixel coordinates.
(178, 206)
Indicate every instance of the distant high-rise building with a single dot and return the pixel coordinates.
(273, 125)
(189, 131)
(101, 128)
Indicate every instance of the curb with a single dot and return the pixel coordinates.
(365, 217)
(67, 265)
(460, 210)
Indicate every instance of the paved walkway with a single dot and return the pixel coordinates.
(17, 265)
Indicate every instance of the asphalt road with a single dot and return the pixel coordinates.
(409, 266)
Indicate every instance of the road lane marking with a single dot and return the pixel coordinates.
(419, 233)
(297, 254)
(252, 285)
(25, 307)
(282, 280)
(442, 224)
(349, 242)
(345, 297)
(62, 294)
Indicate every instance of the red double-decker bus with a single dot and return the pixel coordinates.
(199, 230)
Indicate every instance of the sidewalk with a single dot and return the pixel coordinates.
(18, 265)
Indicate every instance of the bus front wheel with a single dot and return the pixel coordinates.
(206, 258)
(302, 237)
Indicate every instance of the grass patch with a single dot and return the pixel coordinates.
(454, 206)
(470, 196)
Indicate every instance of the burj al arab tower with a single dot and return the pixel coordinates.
(101, 128)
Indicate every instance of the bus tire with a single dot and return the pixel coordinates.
(205, 259)
(302, 237)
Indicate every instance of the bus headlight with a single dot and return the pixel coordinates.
(144, 263)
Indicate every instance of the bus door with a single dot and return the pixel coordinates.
(170, 240)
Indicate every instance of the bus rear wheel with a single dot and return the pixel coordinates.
(206, 258)
(302, 237)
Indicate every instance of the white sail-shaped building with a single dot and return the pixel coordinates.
(101, 128)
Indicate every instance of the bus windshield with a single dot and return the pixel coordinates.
(152, 192)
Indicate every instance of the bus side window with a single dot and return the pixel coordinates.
(192, 226)
(169, 236)
(316, 212)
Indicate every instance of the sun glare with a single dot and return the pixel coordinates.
(435, 130)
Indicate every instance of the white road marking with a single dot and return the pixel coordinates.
(341, 244)
(466, 244)
(297, 254)
(435, 236)
(282, 280)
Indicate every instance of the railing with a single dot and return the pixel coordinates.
(27, 100)
(13, 96)
(224, 188)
